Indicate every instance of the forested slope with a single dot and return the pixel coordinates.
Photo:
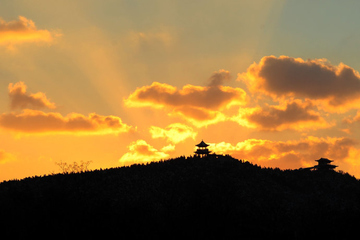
(183, 197)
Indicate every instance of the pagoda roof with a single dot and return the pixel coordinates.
(202, 144)
(324, 160)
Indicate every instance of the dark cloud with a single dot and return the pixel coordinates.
(219, 78)
(272, 118)
(314, 79)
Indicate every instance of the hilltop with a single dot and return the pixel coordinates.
(183, 197)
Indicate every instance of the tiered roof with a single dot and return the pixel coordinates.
(202, 144)
(324, 164)
(324, 161)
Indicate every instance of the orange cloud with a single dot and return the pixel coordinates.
(20, 99)
(352, 119)
(6, 157)
(199, 105)
(141, 152)
(295, 115)
(23, 30)
(174, 133)
(291, 154)
(38, 122)
(336, 87)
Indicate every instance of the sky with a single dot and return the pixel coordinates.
(118, 82)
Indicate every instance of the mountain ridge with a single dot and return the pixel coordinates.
(189, 196)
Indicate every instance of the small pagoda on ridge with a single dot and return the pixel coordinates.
(324, 164)
(202, 150)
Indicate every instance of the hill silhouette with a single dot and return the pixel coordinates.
(183, 197)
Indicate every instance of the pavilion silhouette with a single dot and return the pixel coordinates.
(323, 165)
(202, 150)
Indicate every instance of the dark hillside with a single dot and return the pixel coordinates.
(182, 197)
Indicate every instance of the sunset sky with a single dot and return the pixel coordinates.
(118, 82)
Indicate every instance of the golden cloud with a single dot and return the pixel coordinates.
(337, 88)
(23, 30)
(295, 115)
(141, 152)
(199, 105)
(168, 148)
(290, 154)
(20, 99)
(38, 122)
(174, 133)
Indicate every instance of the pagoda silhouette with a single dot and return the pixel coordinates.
(202, 150)
(323, 165)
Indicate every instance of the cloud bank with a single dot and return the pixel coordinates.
(34, 121)
(197, 104)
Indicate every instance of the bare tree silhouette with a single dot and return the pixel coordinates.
(74, 167)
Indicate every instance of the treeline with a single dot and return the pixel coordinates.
(183, 197)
